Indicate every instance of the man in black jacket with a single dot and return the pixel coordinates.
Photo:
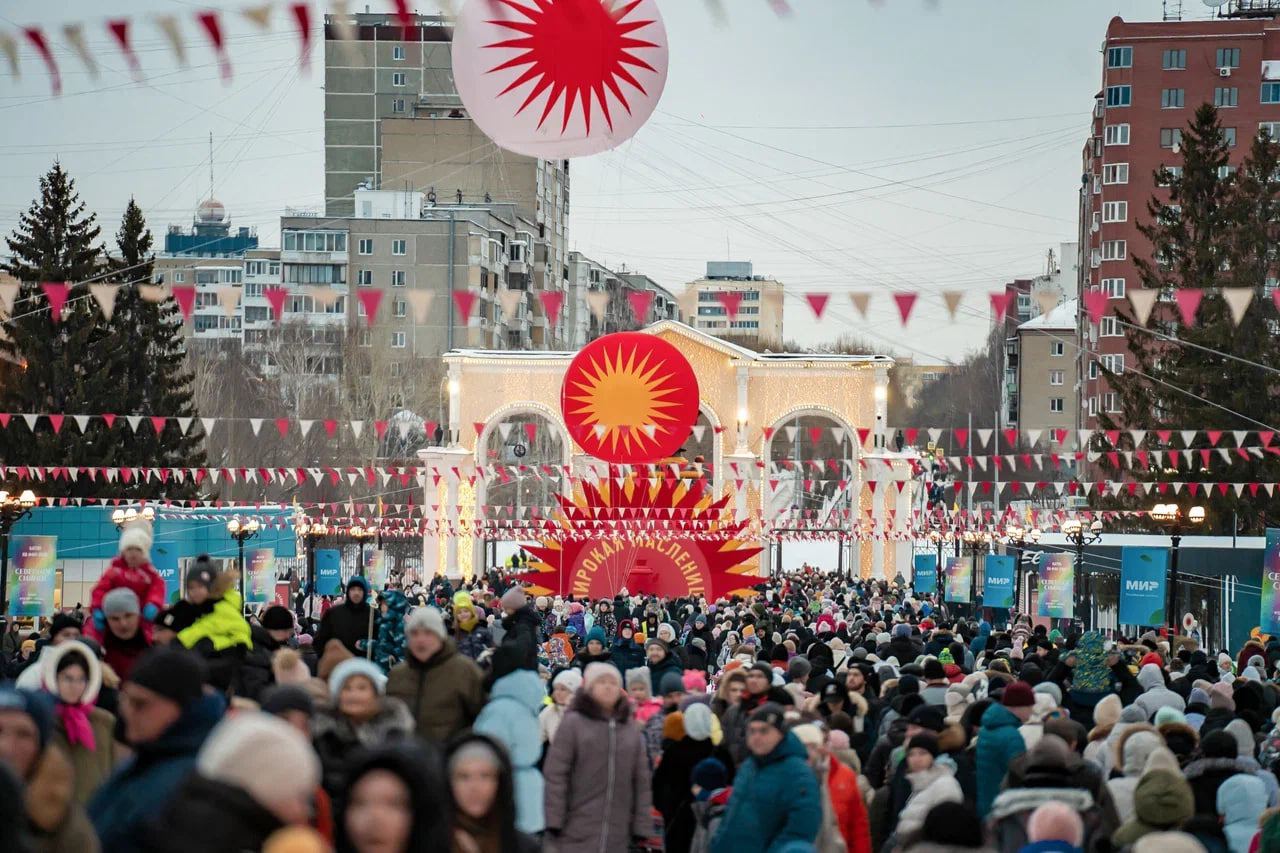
(348, 622)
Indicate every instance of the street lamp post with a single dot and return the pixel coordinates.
(311, 532)
(1018, 538)
(1080, 536)
(362, 535)
(242, 531)
(13, 508)
(121, 518)
(1170, 516)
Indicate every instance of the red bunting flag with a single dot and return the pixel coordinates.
(371, 299)
(731, 300)
(37, 39)
(640, 301)
(479, 427)
(1095, 302)
(1188, 299)
(552, 301)
(1000, 304)
(275, 298)
(209, 21)
(405, 17)
(330, 427)
(962, 436)
(56, 420)
(910, 434)
(302, 15)
(905, 302)
(464, 301)
(56, 293)
(157, 424)
(817, 303)
(185, 296)
(120, 31)
(282, 426)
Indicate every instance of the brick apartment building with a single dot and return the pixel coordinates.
(1154, 76)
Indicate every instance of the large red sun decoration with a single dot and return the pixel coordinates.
(560, 78)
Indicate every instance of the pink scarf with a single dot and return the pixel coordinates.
(75, 722)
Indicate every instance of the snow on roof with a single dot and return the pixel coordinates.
(1061, 317)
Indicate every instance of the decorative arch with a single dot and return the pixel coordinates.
(824, 496)
(539, 488)
(502, 413)
(712, 445)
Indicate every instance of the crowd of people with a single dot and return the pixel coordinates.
(810, 713)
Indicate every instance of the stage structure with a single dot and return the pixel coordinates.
(784, 446)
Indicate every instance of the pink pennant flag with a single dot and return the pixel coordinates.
(731, 300)
(282, 426)
(157, 423)
(370, 300)
(302, 15)
(531, 430)
(209, 21)
(817, 303)
(640, 301)
(56, 293)
(1000, 304)
(38, 41)
(1095, 302)
(905, 302)
(56, 420)
(380, 429)
(330, 427)
(275, 298)
(1188, 299)
(781, 8)
(962, 436)
(464, 301)
(405, 17)
(120, 31)
(185, 296)
(552, 301)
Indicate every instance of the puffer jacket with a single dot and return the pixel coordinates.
(775, 802)
(999, 742)
(145, 582)
(338, 740)
(511, 718)
(597, 780)
(445, 694)
(1241, 800)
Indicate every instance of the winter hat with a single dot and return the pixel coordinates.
(277, 618)
(672, 682)
(201, 572)
(1135, 748)
(28, 645)
(62, 621)
(952, 825)
(838, 739)
(596, 633)
(902, 629)
(1151, 658)
(1220, 697)
(1198, 696)
(1050, 689)
(597, 670)
(353, 667)
(36, 705)
(51, 663)
(770, 713)
(1018, 695)
(799, 669)
(697, 721)
(280, 698)
(1168, 842)
(514, 599)
(1219, 744)
(137, 535)
(927, 717)
(639, 675)
(1168, 714)
(709, 775)
(654, 641)
(1150, 676)
(426, 619)
(120, 600)
(808, 734)
(1133, 714)
(1245, 744)
(1107, 711)
(673, 726)
(262, 755)
(288, 667)
(695, 681)
(570, 679)
(358, 580)
(923, 740)
(933, 670)
(1056, 821)
(175, 674)
(1161, 799)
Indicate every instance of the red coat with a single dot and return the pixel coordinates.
(851, 812)
(145, 582)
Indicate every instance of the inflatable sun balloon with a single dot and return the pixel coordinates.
(560, 78)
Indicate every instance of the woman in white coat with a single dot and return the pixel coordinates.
(932, 783)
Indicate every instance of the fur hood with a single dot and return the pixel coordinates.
(859, 702)
(53, 655)
(393, 718)
(1098, 733)
(1201, 766)
(1016, 801)
(1166, 729)
(1117, 757)
(48, 795)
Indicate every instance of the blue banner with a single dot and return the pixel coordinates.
(165, 560)
(328, 572)
(924, 575)
(1142, 586)
(997, 589)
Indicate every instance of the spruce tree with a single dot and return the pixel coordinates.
(65, 367)
(156, 379)
(1217, 228)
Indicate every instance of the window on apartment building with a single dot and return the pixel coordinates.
(364, 278)
(1113, 362)
(1109, 327)
(1120, 57)
(751, 296)
(1113, 287)
(1229, 134)
(398, 340)
(1271, 93)
(366, 246)
(1115, 173)
(1057, 377)
(398, 247)
(1093, 370)
(397, 105)
(1172, 99)
(1166, 175)
(398, 78)
(1095, 221)
(365, 338)
(399, 308)
(1226, 96)
(1091, 406)
(1174, 60)
(1110, 402)
(1270, 130)
(1226, 171)
(397, 278)
(1170, 136)
(179, 277)
(397, 52)
(1097, 146)
(1056, 404)
(1057, 348)
(1114, 250)
(1228, 57)
(1116, 134)
(253, 288)
(1119, 96)
(1115, 211)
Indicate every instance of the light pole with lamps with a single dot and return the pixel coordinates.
(123, 517)
(242, 531)
(1018, 537)
(1080, 536)
(361, 535)
(311, 532)
(13, 508)
(1170, 516)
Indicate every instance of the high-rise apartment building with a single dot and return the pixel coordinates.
(1154, 76)
(758, 322)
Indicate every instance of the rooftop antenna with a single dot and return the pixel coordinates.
(211, 164)
(1172, 10)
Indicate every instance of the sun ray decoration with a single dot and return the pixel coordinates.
(708, 555)
(630, 397)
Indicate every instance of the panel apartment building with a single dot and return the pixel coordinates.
(758, 324)
(1154, 76)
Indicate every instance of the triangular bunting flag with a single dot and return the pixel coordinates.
(1237, 299)
(1188, 299)
(56, 293)
(905, 302)
(185, 296)
(1000, 303)
(861, 300)
(275, 298)
(1047, 300)
(1095, 302)
(464, 301)
(255, 424)
(951, 299)
(8, 293)
(552, 301)
(640, 300)
(817, 303)
(370, 300)
(420, 302)
(1143, 300)
(598, 302)
(207, 424)
(105, 296)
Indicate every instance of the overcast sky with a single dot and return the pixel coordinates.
(923, 145)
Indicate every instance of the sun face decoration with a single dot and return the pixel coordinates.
(560, 78)
(601, 542)
(629, 398)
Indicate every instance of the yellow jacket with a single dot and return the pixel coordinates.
(224, 627)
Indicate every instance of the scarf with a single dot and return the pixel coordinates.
(75, 722)
(473, 836)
